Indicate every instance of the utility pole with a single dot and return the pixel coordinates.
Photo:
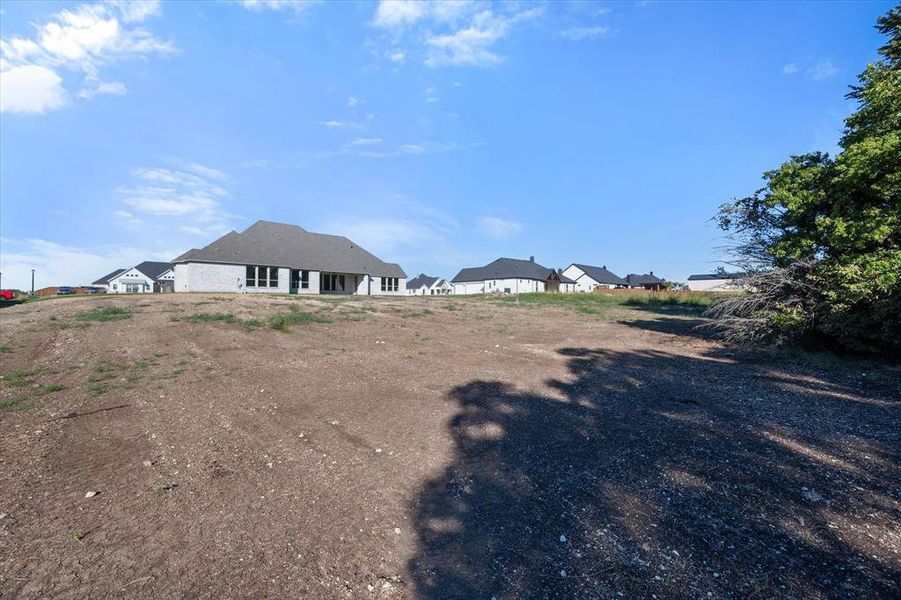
(32, 282)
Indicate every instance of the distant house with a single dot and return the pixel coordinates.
(511, 276)
(103, 282)
(145, 278)
(272, 257)
(589, 278)
(646, 282)
(717, 282)
(424, 285)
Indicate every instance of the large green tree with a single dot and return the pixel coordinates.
(824, 235)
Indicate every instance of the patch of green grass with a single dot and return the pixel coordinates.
(282, 321)
(97, 389)
(104, 313)
(604, 304)
(4, 349)
(211, 318)
(142, 365)
(160, 354)
(451, 306)
(49, 388)
(252, 324)
(14, 404)
(19, 377)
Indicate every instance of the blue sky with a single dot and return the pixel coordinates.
(437, 135)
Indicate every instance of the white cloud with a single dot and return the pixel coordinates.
(471, 45)
(336, 124)
(57, 264)
(115, 88)
(298, 6)
(192, 192)
(821, 70)
(469, 30)
(352, 101)
(431, 94)
(498, 228)
(391, 13)
(82, 41)
(790, 69)
(580, 33)
(30, 89)
(362, 141)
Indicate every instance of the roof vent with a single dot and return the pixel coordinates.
(652, 272)
(604, 267)
(531, 259)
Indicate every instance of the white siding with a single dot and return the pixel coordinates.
(715, 285)
(117, 284)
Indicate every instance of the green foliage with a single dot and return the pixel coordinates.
(283, 321)
(842, 217)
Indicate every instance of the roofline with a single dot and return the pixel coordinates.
(244, 264)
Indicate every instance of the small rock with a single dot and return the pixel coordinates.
(370, 587)
(3, 516)
(378, 450)
(90, 494)
(397, 530)
(562, 572)
(386, 586)
(147, 463)
(562, 538)
(334, 422)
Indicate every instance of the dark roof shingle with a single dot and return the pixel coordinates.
(106, 278)
(601, 274)
(504, 268)
(283, 245)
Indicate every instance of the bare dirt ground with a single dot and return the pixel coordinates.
(433, 448)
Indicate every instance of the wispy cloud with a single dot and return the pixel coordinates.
(82, 41)
(821, 70)
(585, 32)
(353, 101)
(448, 33)
(498, 228)
(790, 69)
(365, 141)
(338, 124)
(191, 193)
(431, 94)
(297, 6)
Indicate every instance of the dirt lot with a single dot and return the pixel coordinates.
(437, 448)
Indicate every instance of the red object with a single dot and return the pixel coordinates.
(6, 294)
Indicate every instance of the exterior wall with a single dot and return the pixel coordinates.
(584, 282)
(376, 289)
(117, 286)
(715, 285)
(205, 277)
(498, 286)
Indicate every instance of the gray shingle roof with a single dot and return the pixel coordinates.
(504, 268)
(709, 276)
(649, 279)
(601, 274)
(153, 269)
(106, 278)
(282, 245)
(421, 280)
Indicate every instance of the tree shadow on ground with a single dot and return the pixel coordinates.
(673, 326)
(652, 473)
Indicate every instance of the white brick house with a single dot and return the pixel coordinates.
(589, 278)
(423, 285)
(145, 278)
(278, 258)
(511, 276)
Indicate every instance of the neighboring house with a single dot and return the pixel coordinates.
(272, 257)
(646, 282)
(423, 285)
(103, 282)
(589, 278)
(511, 276)
(716, 282)
(145, 278)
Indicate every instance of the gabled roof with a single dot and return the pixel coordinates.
(649, 279)
(564, 278)
(153, 269)
(282, 245)
(709, 276)
(106, 278)
(421, 280)
(601, 274)
(505, 268)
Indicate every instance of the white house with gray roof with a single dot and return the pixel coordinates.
(270, 257)
(424, 285)
(511, 276)
(145, 278)
(589, 278)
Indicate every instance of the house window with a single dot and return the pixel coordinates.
(304, 280)
(262, 276)
(390, 284)
(332, 282)
(115, 286)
